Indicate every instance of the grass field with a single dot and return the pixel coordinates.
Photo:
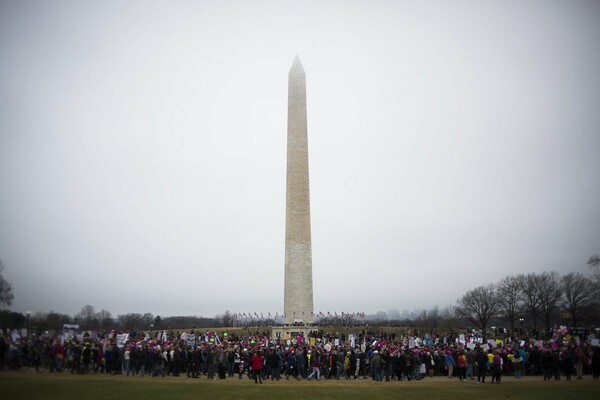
(32, 385)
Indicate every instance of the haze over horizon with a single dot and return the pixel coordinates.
(143, 150)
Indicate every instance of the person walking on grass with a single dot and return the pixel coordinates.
(596, 364)
(481, 361)
(462, 366)
(470, 358)
(579, 360)
(496, 367)
(450, 363)
(257, 365)
(315, 363)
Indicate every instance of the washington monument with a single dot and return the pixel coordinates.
(298, 293)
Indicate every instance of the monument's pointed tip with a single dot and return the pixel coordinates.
(297, 65)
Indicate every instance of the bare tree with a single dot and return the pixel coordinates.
(225, 319)
(6, 293)
(85, 317)
(550, 294)
(530, 290)
(105, 320)
(55, 321)
(578, 295)
(434, 316)
(448, 316)
(136, 321)
(478, 305)
(510, 299)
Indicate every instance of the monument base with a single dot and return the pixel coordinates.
(291, 332)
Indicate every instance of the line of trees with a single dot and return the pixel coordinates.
(529, 299)
(546, 298)
(89, 319)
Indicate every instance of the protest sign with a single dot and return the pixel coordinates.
(121, 339)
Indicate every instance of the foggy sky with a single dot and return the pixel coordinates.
(143, 145)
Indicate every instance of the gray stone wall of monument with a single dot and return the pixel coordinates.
(298, 292)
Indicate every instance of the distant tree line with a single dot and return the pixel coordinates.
(89, 319)
(537, 300)
(520, 301)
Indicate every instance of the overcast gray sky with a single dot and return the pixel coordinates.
(143, 145)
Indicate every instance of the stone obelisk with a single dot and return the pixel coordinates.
(298, 296)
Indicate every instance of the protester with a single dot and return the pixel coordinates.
(257, 366)
(326, 355)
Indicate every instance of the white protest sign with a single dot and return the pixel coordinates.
(121, 339)
(191, 340)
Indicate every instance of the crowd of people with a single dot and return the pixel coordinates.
(380, 356)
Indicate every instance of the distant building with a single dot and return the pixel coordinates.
(394, 315)
(381, 316)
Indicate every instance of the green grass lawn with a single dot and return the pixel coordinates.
(31, 385)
